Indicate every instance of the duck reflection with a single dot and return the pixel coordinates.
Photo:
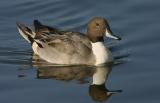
(97, 89)
(77, 73)
(81, 74)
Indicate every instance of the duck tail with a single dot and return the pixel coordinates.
(26, 32)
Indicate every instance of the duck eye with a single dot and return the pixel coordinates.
(97, 24)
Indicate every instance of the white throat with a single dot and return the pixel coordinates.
(102, 55)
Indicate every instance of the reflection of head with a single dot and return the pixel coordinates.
(99, 92)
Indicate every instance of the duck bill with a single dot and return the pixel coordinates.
(110, 35)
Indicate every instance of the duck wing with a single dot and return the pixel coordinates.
(53, 36)
(69, 48)
(69, 41)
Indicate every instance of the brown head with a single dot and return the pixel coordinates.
(97, 28)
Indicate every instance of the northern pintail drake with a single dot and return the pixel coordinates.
(70, 48)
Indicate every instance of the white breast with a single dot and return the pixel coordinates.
(102, 55)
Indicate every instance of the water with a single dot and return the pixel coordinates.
(22, 80)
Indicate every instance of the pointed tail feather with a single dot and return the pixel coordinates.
(25, 32)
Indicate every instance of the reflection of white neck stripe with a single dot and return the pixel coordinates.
(99, 77)
(100, 52)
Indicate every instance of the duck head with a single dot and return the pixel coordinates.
(97, 28)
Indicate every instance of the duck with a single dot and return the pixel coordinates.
(69, 47)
